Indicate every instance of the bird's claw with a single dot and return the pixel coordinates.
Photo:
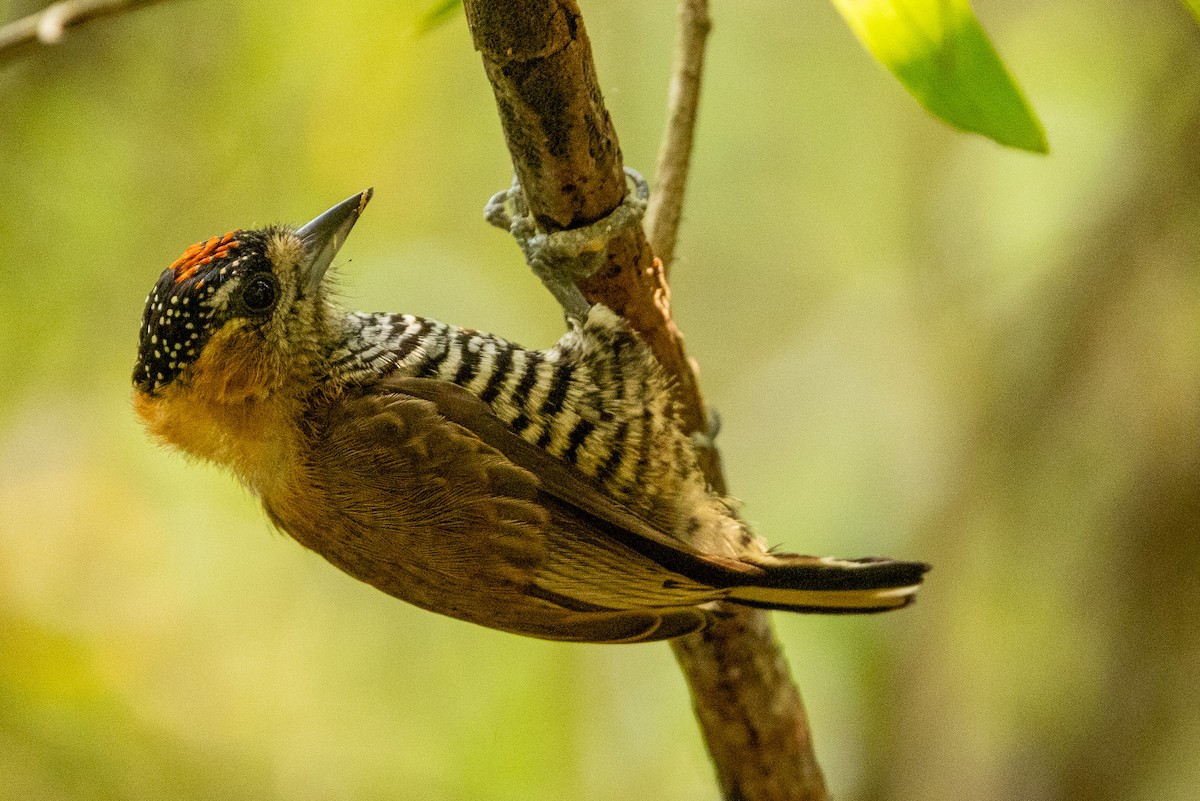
(562, 259)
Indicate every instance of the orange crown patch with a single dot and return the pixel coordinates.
(203, 253)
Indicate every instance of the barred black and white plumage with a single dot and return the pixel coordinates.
(551, 492)
(597, 400)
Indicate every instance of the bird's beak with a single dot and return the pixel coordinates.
(323, 237)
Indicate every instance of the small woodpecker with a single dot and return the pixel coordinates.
(550, 493)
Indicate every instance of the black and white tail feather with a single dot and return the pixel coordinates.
(827, 584)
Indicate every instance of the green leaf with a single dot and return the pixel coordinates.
(1194, 7)
(941, 54)
(438, 15)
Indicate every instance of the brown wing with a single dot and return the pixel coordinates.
(421, 507)
(572, 492)
(652, 567)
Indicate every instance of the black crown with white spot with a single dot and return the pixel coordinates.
(181, 310)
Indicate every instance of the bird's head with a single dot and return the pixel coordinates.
(237, 316)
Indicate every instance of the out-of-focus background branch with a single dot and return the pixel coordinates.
(1093, 387)
(920, 344)
(49, 24)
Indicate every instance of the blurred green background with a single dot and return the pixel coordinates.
(921, 345)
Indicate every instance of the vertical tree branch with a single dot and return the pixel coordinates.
(675, 151)
(568, 160)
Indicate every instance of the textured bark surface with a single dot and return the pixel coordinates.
(564, 148)
(568, 159)
(750, 710)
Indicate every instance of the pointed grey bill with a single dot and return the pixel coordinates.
(324, 236)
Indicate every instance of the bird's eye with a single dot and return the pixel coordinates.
(259, 294)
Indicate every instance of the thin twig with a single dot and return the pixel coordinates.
(782, 764)
(50, 24)
(675, 151)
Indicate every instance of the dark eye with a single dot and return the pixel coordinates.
(259, 294)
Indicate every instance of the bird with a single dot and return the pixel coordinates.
(549, 493)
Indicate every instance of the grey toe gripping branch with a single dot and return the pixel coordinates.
(563, 258)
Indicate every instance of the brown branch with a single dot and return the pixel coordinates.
(675, 151)
(568, 161)
(49, 25)
(750, 710)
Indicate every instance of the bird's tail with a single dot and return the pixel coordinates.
(824, 584)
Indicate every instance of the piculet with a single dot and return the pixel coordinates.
(550, 493)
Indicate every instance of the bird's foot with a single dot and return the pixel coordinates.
(708, 438)
(562, 259)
